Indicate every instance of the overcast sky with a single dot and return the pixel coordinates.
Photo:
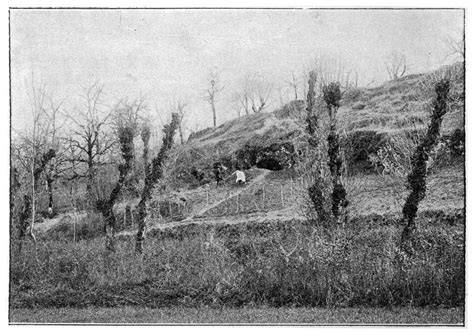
(167, 54)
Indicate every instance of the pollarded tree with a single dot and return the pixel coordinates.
(155, 172)
(417, 176)
(126, 129)
(315, 191)
(332, 96)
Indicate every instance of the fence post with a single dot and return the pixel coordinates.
(281, 195)
(238, 203)
(291, 186)
(263, 196)
(207, 196)
(227, 203)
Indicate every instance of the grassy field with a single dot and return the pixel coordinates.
(284, 316)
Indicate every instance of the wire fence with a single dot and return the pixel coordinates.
(231, 199)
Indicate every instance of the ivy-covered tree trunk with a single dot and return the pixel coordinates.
(145, 134)
(105, 206)
(154, 174)
(332, 96)
(417, 176)
(315, 191)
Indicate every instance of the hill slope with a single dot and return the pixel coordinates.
(267, 140)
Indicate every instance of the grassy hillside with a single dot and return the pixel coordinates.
(390, 108)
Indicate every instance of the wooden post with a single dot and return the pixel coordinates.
(281, 195)
(291, 186)
(207, 196)
(263, 196)
(127, 217)
(238, 203)
(227, 204)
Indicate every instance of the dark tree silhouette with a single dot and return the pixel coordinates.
(332, 96)
(417, 176)
(126, 131)
(154, 174)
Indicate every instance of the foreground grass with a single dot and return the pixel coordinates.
(236, 266)
(453, 316)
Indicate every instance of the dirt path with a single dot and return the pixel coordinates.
(230, 195)
(48, 224)
(257, 217)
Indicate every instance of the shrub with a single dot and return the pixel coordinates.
(359, 147)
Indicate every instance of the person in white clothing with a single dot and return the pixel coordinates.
(240, 177)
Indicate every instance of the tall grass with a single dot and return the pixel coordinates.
(271, 264)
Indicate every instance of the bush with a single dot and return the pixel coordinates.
(275, 156)
(359, 147)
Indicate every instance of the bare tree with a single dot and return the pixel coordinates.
(396, 65)
(294, 83)
(260, 95)
(455, 48)
(215, 86)
(236, 106)
(180, 106)
(90, 136)
(34, 153)
(254, 95)
(244, 97)
(59, 165)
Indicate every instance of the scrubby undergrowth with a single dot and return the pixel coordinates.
(270, 264)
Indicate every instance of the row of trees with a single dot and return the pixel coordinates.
(74, 146)
(327, 194)
(70, 149)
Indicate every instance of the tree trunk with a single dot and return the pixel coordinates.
(128, 216)
(90, 170)
(49, 182)
(214, 118)
(181, 137)
(417, 177)
(154, 174)
(109, 218)
(141, 215)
